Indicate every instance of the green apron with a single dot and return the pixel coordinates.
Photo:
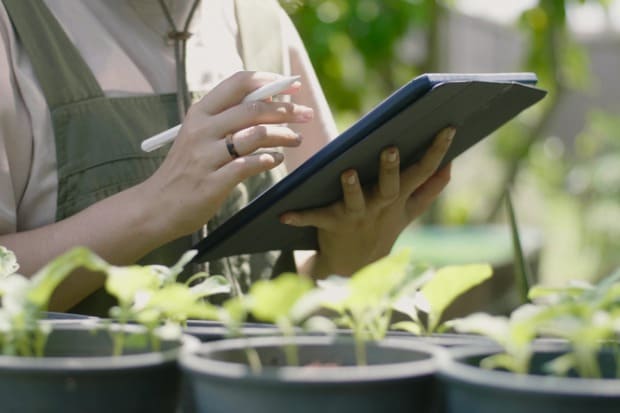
(98, 141)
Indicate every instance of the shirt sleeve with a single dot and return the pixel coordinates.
(322, 128)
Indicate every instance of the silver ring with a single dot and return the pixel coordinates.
(230, 146)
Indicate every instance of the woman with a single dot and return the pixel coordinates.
(84, 82)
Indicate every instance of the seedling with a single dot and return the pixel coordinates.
(25, 299)
(364, 302)
(439, 289)
(149, 295)
(587, 316)
(152, 296)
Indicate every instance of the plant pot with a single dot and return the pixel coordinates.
(206, 330)
(446, 339)
(469, 388)
(78, 374)
(58, 316)
(398, 377)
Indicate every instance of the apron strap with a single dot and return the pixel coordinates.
(260, 33)
(54, 58)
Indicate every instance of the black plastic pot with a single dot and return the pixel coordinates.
(446, 339)
(206, 330)
(469, 388)
(58, 316)
(78, 374)
(398, 377)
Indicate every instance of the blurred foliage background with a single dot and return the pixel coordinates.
(566, 186)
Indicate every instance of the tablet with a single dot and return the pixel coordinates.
(476, 104)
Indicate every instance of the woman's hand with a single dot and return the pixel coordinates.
(364, 225)
(202, 168)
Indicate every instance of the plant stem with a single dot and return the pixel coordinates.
(253, 360)
(522, 270)
(40, 339)
(587, 363)
(360, 351)
(290, 348)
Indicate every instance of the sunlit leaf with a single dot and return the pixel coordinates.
(8, 262)
(45, 281)
(409, 326)
(494, 327)
(171, 274)
(449, 283)
(212, 285)
(178, 302)
(320, 324)
(375, 282)
(561, 365)
(273, 299)
(125, 282)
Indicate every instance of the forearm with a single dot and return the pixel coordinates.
(121, 229)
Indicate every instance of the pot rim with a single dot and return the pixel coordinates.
(452, 368)
(198, 362)
(96, 363)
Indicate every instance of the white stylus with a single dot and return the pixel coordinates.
(270, 89)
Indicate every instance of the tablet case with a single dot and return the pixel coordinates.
(476, 104)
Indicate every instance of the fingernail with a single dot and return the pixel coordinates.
(350, 179)
(299, 138)
(392, 155)
(448, 134)
(303, 113)
(288, 219)
(276, 157)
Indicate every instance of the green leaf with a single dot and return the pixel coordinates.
(408, 305)
(561, 365)
(14, 290)
(496, 328)
(334, 291)
(234, 311)
(522, 269)
(320, 324)
(125, 282)
(274, 299)
(502, 361)
(375, 283)
(212, 285)
(45, 281)
(8, 262)
(170, 274)
(178, 302)
(555, 294)
(449, 283)
(409, 326)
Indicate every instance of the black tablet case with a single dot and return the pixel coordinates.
(476, 104)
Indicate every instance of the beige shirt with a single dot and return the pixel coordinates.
(123, 43)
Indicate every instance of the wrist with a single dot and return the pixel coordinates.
(147, 209)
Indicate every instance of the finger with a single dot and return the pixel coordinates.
(352, 194)
(388, 187)
(322, 218)
(247, 114)
(232, 90)
(416, 175)
(250, 139)
(428, 192)
(239, 169)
